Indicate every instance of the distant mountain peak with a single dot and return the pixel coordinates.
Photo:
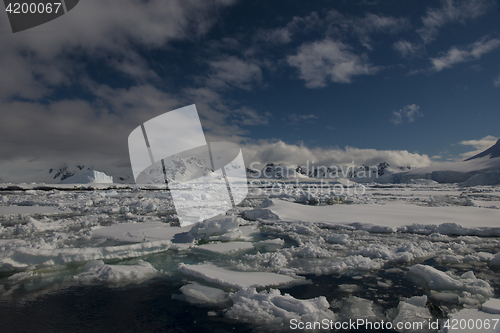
(494, 151)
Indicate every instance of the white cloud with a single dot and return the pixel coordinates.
(409, 112)
(249, 117)
(478, 145)
(339, 24)
(35, 60)
(284, 35)
(298, 118)
(451, 11)
(471, 52)
(281, 152)
(328, 60)
(373, 23)
(231, 72)
(406, 48)
(497, 81)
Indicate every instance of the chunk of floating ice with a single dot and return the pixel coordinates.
(417, 316)
(386, 218)
(226, 248)
(350, 288)
(237, 280)
(474, 321)
(492, 306)
(144, 232)
(495, 261)
(198, 294)
(275, 311)
(11, 210)
(270, 244)
(24, 257)
(438, 280)
(355, 308)
(217, 228)
(417, 300)
(98, 272)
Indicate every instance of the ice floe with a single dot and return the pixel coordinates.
(98, 272)
(385, 218)
(274, 311)
(203, 295)
(466, 289)
(235, 279)
(226, 248)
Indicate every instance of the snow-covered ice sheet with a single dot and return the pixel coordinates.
(235, 279)
(388, 217)
(226, 248)
(15, 210)
(24, 257)
(144, 232)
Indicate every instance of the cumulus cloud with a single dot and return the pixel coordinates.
(406, 48)
(451, 11)
(281, 152)
(478, 145)
(230, 72)
(31, 62)
(327, 60)
(408, 113)
(471, 52)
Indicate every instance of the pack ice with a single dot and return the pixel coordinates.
(398, 252)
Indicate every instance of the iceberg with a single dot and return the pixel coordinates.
(88, 177)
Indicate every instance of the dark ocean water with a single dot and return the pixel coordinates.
(149, 307)
(140, 308)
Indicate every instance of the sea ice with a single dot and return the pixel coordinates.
(275, 312)
(202, 295)
(470, 290)
(223, 228)
(389, 217)
(411, 312)
(98, 272)
(472, 320)
(226, 248)
(25, 257)
(492, 306)
(355, 308)
(237, 280)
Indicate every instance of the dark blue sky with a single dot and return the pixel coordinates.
(419, 80)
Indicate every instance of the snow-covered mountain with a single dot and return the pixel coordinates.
(176, 169)
(363, 173)
(61, 174)
(485, 162)
(88, 177)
